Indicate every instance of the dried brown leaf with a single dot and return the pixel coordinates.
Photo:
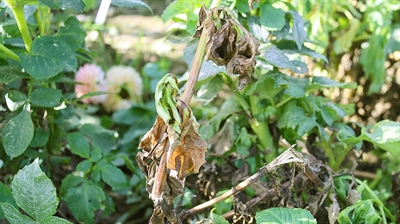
(244, 62)
(333, 209)
(187, 151)
(223, 47)
(201, 21)
(154, 140)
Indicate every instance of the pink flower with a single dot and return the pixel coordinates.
(91, 78)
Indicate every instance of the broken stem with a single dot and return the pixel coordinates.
(241, 186)
(161, 175)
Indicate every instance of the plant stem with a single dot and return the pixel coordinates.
(195, 69)
(9, 53)
(18, 11)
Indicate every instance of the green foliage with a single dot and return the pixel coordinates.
(35, 194)
(284, 215)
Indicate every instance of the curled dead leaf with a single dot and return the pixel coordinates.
(187, 151)
(228, 43)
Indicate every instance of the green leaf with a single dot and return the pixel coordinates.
(166, 105)
(215, 218)
(260, 32)
(72, 33)
(288, 46)
(6, 196)
(48, 57)
(113, 176)
(361, 212)
(10, 73)
(54, 220)
(34, 192)
(296, 118)
(299, 33)
(344, 42)
(84, 199)
(373, 61)
(295, 87)
(284, 215)
(210, 89)
(385, 134)
(78, 145)
(17, 134)
(40, 138)
(131, 4)
(175, 8)
(319, 82)
(272, 18)
(96, 155)
(99, 137)
(229, 107)
(15, 99)
(14, 216)
(45, 97)
(276, 57)
(84, 166)
(77, 5)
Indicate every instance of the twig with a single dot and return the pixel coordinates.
(286, 157)
(268, 194)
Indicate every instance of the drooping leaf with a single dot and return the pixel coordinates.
(83, 200)
(131, 4)
(166, 105)
(34, 192)
(113, 176)
(272, 18)
(77, 5)
(45, 97)
(284, 215)
(17, 134)
(72, 33)
(14, 216)
(291, 47)
(48, 56)
(78, 145)
(187, 149)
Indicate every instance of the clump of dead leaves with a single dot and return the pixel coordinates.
(228, 43)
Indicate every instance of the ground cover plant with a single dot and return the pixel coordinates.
(282, 105)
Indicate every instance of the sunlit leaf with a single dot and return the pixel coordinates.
(284, 215)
